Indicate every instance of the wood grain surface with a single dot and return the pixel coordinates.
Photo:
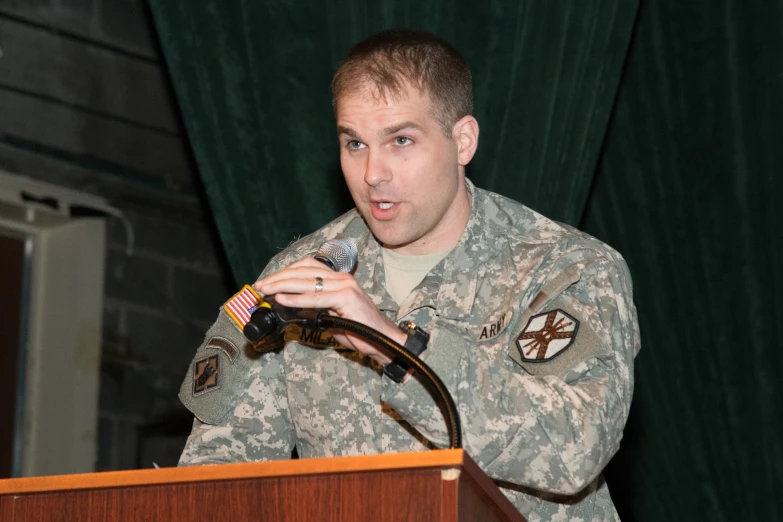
(382, 488)
(322, 466)
(355, 496)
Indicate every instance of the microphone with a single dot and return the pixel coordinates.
(337, 254)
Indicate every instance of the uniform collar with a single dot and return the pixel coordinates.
(450, 287)
(370, 273)
(465, 265)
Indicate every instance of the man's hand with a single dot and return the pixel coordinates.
(294, 286)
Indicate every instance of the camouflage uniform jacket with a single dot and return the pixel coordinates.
(543, 429)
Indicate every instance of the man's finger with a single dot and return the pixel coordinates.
(308, 261)
(300, 272)
(302, 285)
(326, 300)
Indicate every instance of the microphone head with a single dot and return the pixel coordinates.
(338, 254)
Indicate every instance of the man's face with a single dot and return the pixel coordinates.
(404, 174)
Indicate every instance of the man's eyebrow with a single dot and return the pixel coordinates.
(394, 129)
(347, 131)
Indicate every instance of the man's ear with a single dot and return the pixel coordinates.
(466, 134)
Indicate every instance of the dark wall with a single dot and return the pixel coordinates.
(85, 102)
(11, 281)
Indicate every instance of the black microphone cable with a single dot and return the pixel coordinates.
(275, 319)
(325, 321)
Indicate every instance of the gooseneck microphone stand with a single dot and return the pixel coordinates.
(265, 321)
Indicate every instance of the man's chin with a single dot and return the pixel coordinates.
(387, 233)
(393, 243)
(387, 238)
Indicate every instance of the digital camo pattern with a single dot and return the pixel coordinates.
(544, 438)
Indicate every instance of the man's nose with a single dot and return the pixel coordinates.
(376, 171)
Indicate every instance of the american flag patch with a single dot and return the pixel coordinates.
(242, 305)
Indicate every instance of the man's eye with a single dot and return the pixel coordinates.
(402, 141)
(355, 145)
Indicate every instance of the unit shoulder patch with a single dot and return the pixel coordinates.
(547, 335)
(554, 342)
(219, 372)
(206, 375)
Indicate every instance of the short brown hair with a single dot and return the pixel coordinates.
(393, 59)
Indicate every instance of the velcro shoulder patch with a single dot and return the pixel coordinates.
(555, 341)
(554, 337)
(240, 307)
(218, 372)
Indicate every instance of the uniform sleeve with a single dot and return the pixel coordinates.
(547, 427)
(246, 420)
(239, 400)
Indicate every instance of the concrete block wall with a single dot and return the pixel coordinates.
(159, 303)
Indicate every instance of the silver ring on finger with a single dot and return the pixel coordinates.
(319, 284)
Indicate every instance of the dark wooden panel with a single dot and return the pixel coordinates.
(124, 193)
(77, 132)
(11, 278)
(78, 73)
(476, 505)
(7, 509)
(352, 497)
(123, 24)
(449, 500)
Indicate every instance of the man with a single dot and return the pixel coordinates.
(532, 325)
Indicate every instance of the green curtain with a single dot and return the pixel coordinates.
(689, 188)
(252, 80)
(670, 150)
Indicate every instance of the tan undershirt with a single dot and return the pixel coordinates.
(403, 272)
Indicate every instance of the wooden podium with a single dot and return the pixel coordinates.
(434, 486)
